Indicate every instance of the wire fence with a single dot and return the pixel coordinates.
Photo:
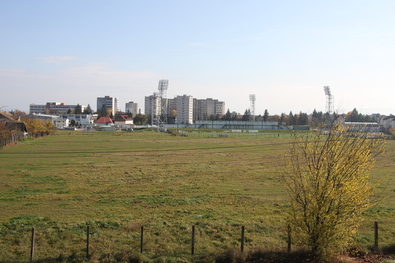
(8, 137)
(32, 242)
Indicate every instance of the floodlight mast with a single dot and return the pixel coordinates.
(252, 106)
(329, 100)
(162, 87)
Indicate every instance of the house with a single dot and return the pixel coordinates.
(12, 124)
(388, 122)
(104, 121)
(124, 121)
(5, 116)
(11, 130)
(362, 126)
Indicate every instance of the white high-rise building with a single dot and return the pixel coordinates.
(108, 103)
(132, 107)
(152, 107)
(220, 108)
(184, 108)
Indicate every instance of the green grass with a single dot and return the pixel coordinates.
(118, 182)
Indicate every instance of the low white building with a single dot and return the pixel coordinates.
(362, 126)
(62, 123)
(53, 108)
(80, 119)
(388, 122)
(124, 121)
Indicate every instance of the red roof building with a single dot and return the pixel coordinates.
(123, 121)
(105, 121)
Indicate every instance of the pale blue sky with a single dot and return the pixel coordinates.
(282, 51)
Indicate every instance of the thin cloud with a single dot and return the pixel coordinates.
(76, 84)
(59, 59)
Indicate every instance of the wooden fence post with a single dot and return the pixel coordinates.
(193, 241)
(32, 245)
(242, 239)
(289, 241)
(141, 239)
(376, 236)
(87, 241)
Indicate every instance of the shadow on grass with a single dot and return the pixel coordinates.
(226, 256)
(257, 256)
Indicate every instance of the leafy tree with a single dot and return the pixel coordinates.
(37, 127)
(78, 109)
(265, 115)
(212, 117)
(275, 118)
(103, 111)
(5, 133)
(228, 116)
(291, 118)
(88, 110)
(129, 114)
(355, 116)
(234, 116)
(247, 115)
(317, 118)
(302, 119)
(140, 119)
(327, 178)
(282, 118)
(49, 127)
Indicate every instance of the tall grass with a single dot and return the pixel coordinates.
(118, 182)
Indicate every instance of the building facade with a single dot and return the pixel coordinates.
(204, 109)
(107, 103)
(80, 119)
(184, 109)
(152, 107)
(132, 107)
(53, 108)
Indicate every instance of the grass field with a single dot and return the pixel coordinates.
(117, 182)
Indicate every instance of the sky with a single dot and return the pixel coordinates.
(284, 52)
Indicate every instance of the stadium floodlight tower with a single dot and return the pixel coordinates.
(162, 87)
(329, 100)
(252, 106)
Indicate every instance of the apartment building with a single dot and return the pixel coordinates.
(107, 103)
(132, 107)
(152, 105)
(203, 109)
(184, 109)
(53, 108)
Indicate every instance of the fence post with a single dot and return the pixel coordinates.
(242, 239)
(141, 239)
(193, 241)
(376, 236)
(87, 241)
(32, 245)
(289, 241)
